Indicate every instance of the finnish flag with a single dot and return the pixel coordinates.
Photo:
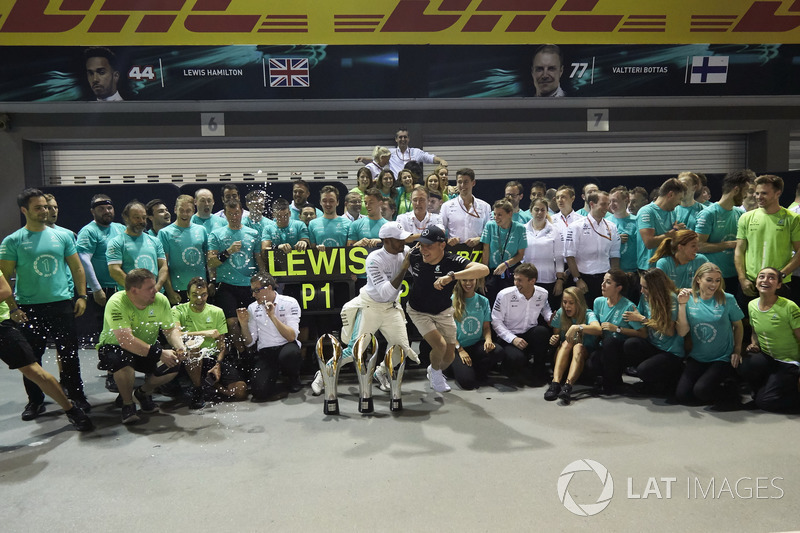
(709, 69)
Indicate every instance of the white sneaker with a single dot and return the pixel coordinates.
(383, 380)
(317, 386)
(438, 381)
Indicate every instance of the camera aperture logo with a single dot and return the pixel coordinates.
(603, 476)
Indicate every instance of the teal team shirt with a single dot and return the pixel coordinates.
(710, 327)
(241, 266)
(688, 215)
(185, 249)
(262, 226)
(628, 251)
(469, 330)
(681, 275)
(503, 243)
(590, 341)
(670, 344)
(652, 217)
(521, 217)
(211, 223)
(143, 251)
(614, 314)
(366, 228)
(720, 225)
(329, 232)
(40, 264)
(291, 234)
(93, 239)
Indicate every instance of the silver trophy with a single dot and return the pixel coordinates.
(395, 362)
(330, 372)
(365, 357)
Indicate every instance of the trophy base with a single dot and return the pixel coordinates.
(331, 407)
(396, 405)
(365, 405)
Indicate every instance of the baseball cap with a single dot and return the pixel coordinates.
(432, 234)
(393, 230)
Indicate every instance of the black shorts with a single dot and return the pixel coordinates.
(15, 351)
(114, 358)
(228, 373)
(232, 297)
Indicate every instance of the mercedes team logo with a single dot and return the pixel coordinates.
(586, 509)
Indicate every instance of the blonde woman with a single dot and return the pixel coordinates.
(476, 353)
(577, 329)
(715, 322)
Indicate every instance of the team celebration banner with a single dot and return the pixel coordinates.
(174, 73)
(375, 22)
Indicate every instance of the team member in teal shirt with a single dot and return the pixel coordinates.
(287, 234)
(656, 221)
(366, 230)
(329, 230)
(677, 256)
(660, 357)
(715, 322)
(40, 257)
(717, 225)
(92, 242)
(772, 362)
(626, 227)
(235, 253)
(504, 242)
(256, 202)
(608, 360)
(476, 353)
(185, 247)
(136, 249)
(204, 201)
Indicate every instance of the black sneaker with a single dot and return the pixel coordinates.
(144, 400)
(32, 410)
(79, 419)
(296, 386)
(81, 402)
(564, 395)
(552, 391)
(118, 400)
(197, 401)
(111, 385)
(129, 415)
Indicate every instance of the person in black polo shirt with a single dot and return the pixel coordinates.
(432, 310)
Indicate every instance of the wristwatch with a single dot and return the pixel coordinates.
(619, 329)
(83, 297)
(451, 275)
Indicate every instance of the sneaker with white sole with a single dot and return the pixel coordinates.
(129, 415)
(438, 381)
(317, 386)
(383, 379)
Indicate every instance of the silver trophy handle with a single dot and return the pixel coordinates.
(365, 357)
(330, 372)
(395, 361)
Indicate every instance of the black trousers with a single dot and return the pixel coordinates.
(268, 363)
(515, 360)
(657, 368)
(469, 377)
(56, 321)
(608, 361)
(701, 383)
(774, 383)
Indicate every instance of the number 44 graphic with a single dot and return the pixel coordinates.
(138, 73)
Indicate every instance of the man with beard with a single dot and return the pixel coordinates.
(136, 249)
(185, 248)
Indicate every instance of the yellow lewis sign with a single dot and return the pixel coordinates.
(376, 22)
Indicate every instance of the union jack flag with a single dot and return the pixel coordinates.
(286, 72)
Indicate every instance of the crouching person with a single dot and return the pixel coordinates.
(272, 323)
(206, 362)
(129, 341)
